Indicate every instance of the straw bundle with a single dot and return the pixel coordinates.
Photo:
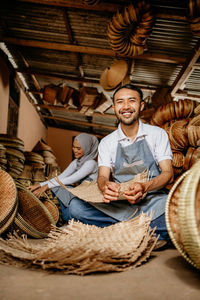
(178, 160)
(82, 249)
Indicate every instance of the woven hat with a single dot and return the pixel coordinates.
(33, 218)
(112, 76)
(8, 200)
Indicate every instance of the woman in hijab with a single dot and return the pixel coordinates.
(83, 167)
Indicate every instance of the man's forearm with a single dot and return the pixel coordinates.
(158, 182)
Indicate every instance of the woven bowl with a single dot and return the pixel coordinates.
(178, 135)
(8, 199)
(52, 208)
(33, 217)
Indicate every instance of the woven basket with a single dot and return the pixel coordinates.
(178, 135)
(33, 217)
(183, 215)
(52, 208)
(189, 214)
(8, 200)
(171, 216)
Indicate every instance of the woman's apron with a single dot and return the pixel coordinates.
(65, 196)
(131, 160)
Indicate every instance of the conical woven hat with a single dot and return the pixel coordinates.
(112, 76)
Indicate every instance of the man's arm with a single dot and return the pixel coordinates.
(109, 189)
(136, 191)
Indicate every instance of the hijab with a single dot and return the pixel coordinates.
(89, 143)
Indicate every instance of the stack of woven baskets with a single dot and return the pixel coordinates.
(14, 154)
(181, 121)
(130, 28)
(22, 211)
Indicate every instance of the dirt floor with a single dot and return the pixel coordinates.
(166, 275)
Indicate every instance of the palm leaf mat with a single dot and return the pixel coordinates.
(82, 249)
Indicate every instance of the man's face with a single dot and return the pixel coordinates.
(127, 106)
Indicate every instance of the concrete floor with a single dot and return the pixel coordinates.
(165, 276)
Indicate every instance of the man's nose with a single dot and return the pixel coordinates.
(126, 103)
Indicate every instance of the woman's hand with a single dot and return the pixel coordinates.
(111, 191)
(38, 190)
(135, 192)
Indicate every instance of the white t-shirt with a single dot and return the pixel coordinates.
(156, 138)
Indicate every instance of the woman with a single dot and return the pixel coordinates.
(83, 167)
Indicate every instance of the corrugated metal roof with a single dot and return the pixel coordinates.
(58, 24)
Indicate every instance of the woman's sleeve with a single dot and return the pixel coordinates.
(67, 172)
(87, 168)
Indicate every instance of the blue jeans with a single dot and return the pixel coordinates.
(84, 212)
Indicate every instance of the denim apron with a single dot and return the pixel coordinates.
(65, 196)
(131, 160)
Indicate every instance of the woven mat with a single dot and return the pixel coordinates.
(82, 249)
(90, 192)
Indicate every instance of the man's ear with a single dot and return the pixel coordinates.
(113, 107)
(142, 106)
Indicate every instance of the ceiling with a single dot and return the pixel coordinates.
(66, 43)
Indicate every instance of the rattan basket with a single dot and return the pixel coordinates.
(8, 200)
(183, 215)
(189, 214)
(33, 218)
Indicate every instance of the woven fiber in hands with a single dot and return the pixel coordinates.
(82, 249)
(90, 192)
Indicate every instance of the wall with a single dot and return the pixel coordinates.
(30, 127)
(60, 141)
(4, 95)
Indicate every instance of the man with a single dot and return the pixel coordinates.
(131, 149)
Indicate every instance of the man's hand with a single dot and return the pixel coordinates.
(135, 192)
(110, 191)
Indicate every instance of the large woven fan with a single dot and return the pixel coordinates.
(83, 249)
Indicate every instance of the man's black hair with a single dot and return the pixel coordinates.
(130, 87)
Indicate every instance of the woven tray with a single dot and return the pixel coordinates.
(8, 200)
(37, 220)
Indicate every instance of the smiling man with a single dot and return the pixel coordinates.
(133, 148)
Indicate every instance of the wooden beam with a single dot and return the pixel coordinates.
(185, 71)
(80, 122)
(62, 108)
(160, 12)
(43, 73)
(185, 95)
(89, 50)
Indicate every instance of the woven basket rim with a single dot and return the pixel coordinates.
(171, 234)
(24, 224)
(14, 200)
(186, 212)
(27, 228)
